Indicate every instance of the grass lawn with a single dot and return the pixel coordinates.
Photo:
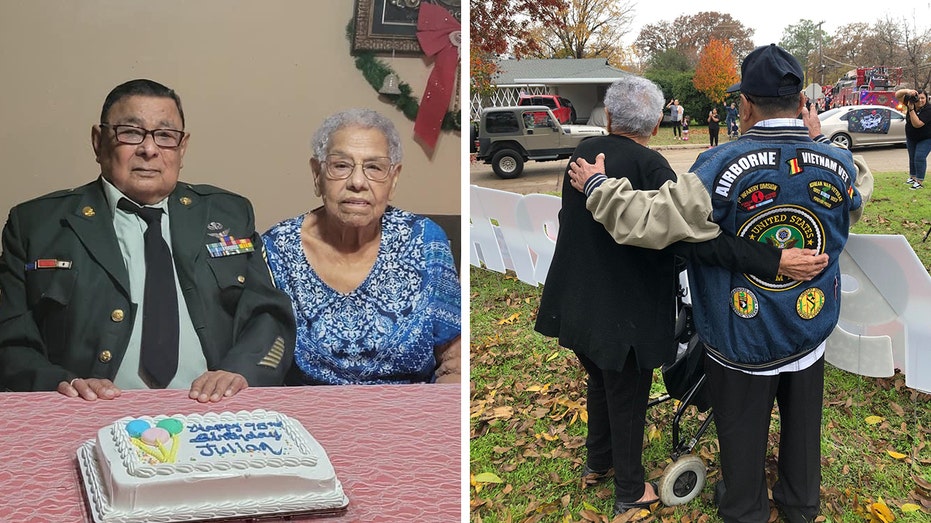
(528, 418)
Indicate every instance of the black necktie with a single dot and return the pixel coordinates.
(159, 351)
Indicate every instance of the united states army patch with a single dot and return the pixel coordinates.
(784, 227)
(744, 302)
(810, 303)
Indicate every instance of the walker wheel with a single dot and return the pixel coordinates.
(682, 480)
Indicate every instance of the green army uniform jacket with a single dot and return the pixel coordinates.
(65, 307)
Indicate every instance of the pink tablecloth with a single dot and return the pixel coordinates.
(396, 449)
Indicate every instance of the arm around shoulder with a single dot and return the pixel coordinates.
(654, 219)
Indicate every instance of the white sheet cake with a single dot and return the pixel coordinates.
(210, 466)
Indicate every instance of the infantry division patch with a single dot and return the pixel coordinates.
(757, 196)
(783, 226)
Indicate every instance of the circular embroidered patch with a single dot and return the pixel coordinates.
(744, 302)
(783, 226)
(810, 303)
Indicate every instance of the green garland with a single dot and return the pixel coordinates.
(375, 71)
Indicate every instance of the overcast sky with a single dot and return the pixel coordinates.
(768, 19)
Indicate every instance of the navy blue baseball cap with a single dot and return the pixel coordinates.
(764, 69)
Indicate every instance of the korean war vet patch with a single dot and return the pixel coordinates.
(826, 194)
(759, 159)
(228, 246)
(758, 195)
(809, 303)
(783, 226)
(744, 302)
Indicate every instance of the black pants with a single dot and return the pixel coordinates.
(713, 134)
(617, 406)
(677, 128)
(742, 404)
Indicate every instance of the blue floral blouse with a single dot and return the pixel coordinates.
(385, 330)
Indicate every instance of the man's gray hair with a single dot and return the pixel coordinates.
(364, 118)
(635, 105)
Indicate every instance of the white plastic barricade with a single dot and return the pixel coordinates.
(886, 300)
(886, 303)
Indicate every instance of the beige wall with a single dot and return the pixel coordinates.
(256, 78)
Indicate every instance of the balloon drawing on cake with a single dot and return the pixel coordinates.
(153, 441)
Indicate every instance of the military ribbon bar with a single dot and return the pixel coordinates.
(228, 246)
(47, 263)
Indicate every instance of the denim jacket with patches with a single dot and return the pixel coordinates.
(773, 185)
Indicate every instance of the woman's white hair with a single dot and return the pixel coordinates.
(364, 118)
(635, 105)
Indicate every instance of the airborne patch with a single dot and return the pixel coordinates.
(826, 194)
(758, 195)
(810, 303)
(759, 159)
(783, 226)
(744, 302)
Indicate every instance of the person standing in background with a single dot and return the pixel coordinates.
(676, 116)
(713, 127)
(917, 134)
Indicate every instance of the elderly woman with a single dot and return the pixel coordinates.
(614, 305)
(374, 288)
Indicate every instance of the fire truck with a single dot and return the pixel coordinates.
(868, 86)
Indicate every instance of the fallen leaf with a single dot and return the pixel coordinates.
(873, 420)
(896, 455)
(486, 477)
(910, 507)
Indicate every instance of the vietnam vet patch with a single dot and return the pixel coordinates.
(783, 226)
(228, 246)
(744, 302)
(743, 164)
(808, 157)
(758, 195)
(809, 303)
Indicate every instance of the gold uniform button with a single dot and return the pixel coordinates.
(185, 200)
(241, 279)
(104, 356)
(117, 315)
(88, 211)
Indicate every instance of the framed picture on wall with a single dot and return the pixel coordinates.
(391, 25)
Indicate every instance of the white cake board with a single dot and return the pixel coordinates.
(95, 490)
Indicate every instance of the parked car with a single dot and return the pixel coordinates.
(560, 106)
(510, 136)
(860, 125)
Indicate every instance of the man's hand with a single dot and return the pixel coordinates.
(580, 171)
(214, 385)
(810, 117)
(89, 389)
(802, 264)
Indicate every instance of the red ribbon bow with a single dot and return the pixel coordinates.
(438, 32)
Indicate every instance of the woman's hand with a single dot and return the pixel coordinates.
(447, 357)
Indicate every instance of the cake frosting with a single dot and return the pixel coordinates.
(206, 466)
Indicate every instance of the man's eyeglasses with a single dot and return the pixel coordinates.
(132, 135)
(340, 168)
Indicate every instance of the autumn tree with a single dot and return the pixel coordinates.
(716, 70)
(583, 28)
(499, 27)
(689, 34)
